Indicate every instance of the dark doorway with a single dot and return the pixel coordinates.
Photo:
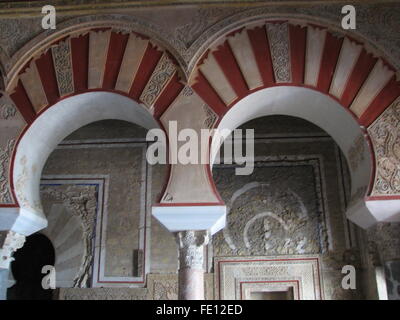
(27, 267)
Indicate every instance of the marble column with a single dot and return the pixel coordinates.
(191, 273)
(385, 239)
(392, 275)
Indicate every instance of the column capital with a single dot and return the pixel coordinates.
(10, 241)
(191, 245)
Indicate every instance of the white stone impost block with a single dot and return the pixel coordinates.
(191, 217)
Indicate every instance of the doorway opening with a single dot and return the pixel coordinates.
(36, 253)
(272, 295)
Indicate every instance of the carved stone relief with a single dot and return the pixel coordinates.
(189, 39)
(233, 272)
(265, 218)
(191, 248)
(7, 111)
(102, 294)
(63, 67)
(211, 117)
(162, 287)
(385, 136)
(278, 38)
(113, 164)
(165, 286)
(161, 75)
(81, 201)
(5, 155)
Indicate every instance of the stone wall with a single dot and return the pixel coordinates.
(97, 193)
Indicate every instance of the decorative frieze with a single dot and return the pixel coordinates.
(234, 274)
(162, 286)
(165, 286)
(102, 294)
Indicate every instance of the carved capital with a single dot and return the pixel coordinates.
(11, 242)
(191, 247)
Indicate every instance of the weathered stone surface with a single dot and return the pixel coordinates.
(102, 294)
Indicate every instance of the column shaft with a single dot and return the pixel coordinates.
(191, 273)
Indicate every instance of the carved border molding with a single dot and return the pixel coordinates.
(82, 202)
(231, 271)
(5, 155)
(102, 294)
(165, 286)
(227, 20)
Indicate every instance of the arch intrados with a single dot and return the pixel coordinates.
(48, 130)
(316, 108)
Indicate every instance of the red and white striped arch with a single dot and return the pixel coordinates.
(280, 53)
(272, 54)
(83, 65)
(283, 53)
(99, 59)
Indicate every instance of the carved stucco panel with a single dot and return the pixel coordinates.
(189, 37)
(5, 155)
(102, 294)
(232, 271)
(165, 286)
(160, 77)
(267, 218)
(278, 38)
(63, 67)
(81, 202)
(385, 136)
